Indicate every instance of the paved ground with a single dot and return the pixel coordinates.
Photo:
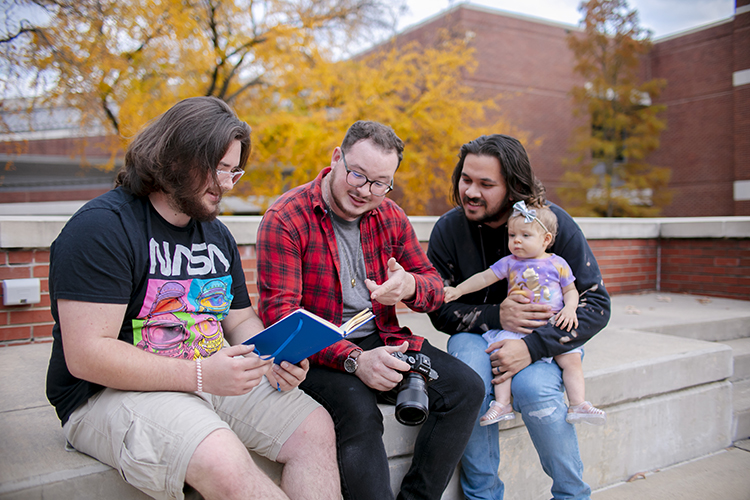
(724, 475)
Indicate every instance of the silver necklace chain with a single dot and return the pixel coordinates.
(352, 271)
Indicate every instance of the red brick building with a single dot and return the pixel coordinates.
(525, 64)
(707, 141)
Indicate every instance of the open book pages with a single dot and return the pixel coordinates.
(358, 320)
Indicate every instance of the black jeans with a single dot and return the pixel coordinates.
(455, 399)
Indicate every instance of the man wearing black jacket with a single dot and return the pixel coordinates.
(493, 172)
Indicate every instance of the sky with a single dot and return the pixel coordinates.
(662, 17)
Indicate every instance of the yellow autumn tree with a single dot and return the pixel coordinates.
(123, 62)
(417, 90)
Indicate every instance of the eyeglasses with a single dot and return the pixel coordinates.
(235, 175)
(355, 179)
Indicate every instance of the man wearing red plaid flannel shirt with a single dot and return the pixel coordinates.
(335, 246)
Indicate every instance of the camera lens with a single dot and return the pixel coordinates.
(412, 401)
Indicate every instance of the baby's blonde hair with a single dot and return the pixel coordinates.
(544, 215)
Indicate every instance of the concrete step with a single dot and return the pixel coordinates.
(741, 353)
(639, 436)
(35, 464)
(690, 316)
(628, 365)
(741, 409)
(668, 400)
(399, 446)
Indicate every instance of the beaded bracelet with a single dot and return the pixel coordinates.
(199, 374)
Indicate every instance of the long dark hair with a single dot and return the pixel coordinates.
(515, 167)
(181, 148)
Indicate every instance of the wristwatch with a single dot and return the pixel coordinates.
(350, 363)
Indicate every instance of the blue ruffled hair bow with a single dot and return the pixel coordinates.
(529, 214)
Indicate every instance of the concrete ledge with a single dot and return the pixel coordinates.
(20, 231)
(706, 227)
(243, 228)
(666, 227)
(624, 228)
(34, 462)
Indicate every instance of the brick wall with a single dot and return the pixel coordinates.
(698, 143)
(713, 267)
(628, 266)
(32, 323)
(249, 264)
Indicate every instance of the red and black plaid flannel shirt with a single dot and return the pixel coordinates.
(298, 265)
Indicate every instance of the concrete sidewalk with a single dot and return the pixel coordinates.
(723, 475)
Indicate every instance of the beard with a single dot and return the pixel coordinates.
(490, 215)
(192, 205)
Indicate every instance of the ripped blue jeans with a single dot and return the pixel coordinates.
(538, 396)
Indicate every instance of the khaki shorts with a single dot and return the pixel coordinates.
(149, 437)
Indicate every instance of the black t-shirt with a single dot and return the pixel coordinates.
(178, 283)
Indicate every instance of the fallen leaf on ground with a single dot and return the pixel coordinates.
(632, 310)
(640, 475)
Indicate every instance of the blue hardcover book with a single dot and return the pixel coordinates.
(300, 334)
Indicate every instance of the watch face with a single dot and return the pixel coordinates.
(350, 365)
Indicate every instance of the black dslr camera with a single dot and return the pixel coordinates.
(412, 402)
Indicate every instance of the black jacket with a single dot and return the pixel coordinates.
(460, 248)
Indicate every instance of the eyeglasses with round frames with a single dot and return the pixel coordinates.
(355, 179)
(235, 175)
